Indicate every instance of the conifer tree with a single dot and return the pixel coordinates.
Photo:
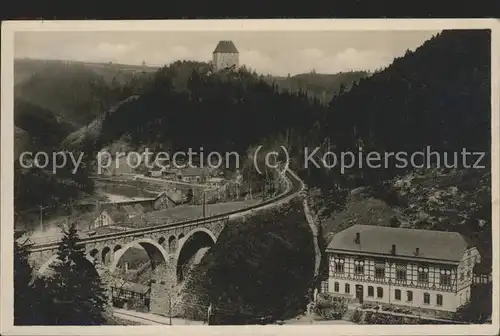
(79, 296)
(24, 296)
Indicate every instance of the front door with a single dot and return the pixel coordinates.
(359, 293)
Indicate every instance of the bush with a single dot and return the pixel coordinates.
(331, 310)
(376, 318)
(356, 317)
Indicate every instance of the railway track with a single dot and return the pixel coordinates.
(294, 187)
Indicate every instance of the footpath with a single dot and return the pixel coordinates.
(151, 319)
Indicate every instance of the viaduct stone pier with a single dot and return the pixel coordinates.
(169, 249)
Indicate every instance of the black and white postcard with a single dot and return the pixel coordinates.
(271, 176)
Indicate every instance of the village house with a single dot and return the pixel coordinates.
(155, 172)
(167, 199)
(169, 174)
(192, 175)
(131, 211)
(420, 269)
(109, 217)
(216, 181)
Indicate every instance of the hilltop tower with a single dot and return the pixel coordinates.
(225, 56)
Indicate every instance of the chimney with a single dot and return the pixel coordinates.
(393, 251)
(417, 251)
(357, 240)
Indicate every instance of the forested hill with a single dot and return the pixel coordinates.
(186, 105)
(74, 91)
(437, 96)
(25, 68)
(322, 86)
(44, 127)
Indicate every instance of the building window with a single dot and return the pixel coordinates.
(336, 287)
(468, 274)
(427, 298)
(370, 291)
(379, 270)
(397, 294)
(339, 265)
(401, 272)
(409, 296)
(324, 287)
(380, 292)
(423, 275)
(359, 267)
(445, 277)
(347, 288)
(439, 300)
(462, 276)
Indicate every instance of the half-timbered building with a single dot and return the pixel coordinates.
(398, 266)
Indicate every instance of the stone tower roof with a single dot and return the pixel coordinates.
(226, 47)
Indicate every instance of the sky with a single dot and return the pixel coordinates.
(276, 53)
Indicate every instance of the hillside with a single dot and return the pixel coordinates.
(433, 199)
(76, 92)
(22, 141)
(262, 265)
(43, 126)
(443, 87)
(251, 103)
(25, 68)
(322, 86)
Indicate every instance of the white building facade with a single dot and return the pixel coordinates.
(429, 270)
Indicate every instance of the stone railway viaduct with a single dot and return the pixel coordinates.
(169, 246)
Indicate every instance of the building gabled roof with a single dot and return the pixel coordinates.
(129, 210)
(226, 47)
(117, 215)
(193, 171)
(139, 208)
(156, 169)
(174, 196)
(437, 245)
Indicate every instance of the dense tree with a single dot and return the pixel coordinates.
(25, 303)
(267, 273)
(78, 294)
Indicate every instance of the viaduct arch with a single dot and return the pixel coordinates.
(156, 253)
(87, 264)
(189, 247)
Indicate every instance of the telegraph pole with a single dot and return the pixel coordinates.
(170, 307)
(41, 218)
(204, 204)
